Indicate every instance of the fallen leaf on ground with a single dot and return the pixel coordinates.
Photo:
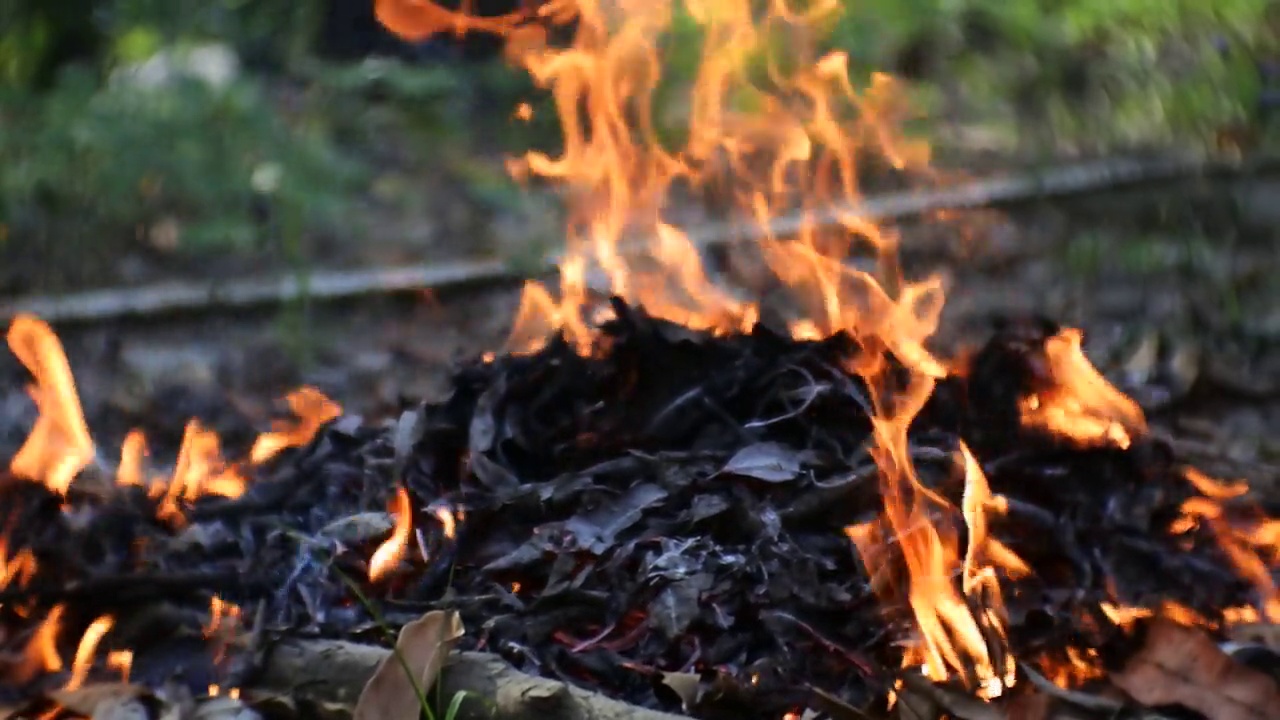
(957, 705)
(768, 461)
(96, 699)
(684, 685)
(420, 652)
(1179, 665)
(222, 707)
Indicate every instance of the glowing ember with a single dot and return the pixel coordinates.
(59, 445)
(391, 552)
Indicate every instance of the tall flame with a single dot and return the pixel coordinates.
(778, 124)
(59, 445)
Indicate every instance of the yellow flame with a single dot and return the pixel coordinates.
(391, 552)
(1081, 404)
(84, 651)
(59, 445)
(312, 410)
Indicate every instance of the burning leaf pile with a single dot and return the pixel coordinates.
(665, 491)
(675, 503)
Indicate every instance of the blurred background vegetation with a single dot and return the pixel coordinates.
(188, 131)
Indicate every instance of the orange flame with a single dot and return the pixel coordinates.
(41, 653)
(1081, 404)
(1252, 549)
(200, 469)
(312, 409)
(84, 651)
(391, 552)
(133, 453)
(122, 662)
(20, 567)
(781, 125)
(59, 445)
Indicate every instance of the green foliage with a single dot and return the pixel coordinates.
(117, 158)
(1110, 70)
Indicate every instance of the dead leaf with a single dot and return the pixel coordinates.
(420, 652)
(1179, 665)
(683, 684)
(957, 705)
(359, 528)
(121, 709)
(768, 461)
(222, 707)
(408, 432)
(86, 699)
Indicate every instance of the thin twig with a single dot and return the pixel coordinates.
(191, 296)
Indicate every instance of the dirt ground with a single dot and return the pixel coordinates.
(1171, 285)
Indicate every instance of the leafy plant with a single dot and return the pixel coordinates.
(117, 158)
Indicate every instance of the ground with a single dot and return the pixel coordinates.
(1169, 283)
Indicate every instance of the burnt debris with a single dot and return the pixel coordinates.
(675, 502)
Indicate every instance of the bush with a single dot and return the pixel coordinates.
(106, 161)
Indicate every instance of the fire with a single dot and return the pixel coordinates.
(133, 454)
(777, 121)
(312, 409)
(391, 552)
(1080, 404)
(59, 445)
(41, 653)
(1251, 547)
(18, 568)
(86, 649)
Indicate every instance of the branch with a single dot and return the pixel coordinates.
(334, 671)
(179, 296)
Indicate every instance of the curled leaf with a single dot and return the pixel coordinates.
(402, 680)
(768, 461)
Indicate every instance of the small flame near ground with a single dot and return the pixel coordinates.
(60, 447)
(779, 125)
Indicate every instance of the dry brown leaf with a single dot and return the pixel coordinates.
(1179, 665)
(420, 652)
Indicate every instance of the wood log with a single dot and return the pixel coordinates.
(335, 671)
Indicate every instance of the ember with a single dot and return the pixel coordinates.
(664, 492)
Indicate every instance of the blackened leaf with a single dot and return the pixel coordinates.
(596, 529)
(529, 554)
(484, 426)
(768, 461)
(492, 475)
(677, 605)
(407, 434)
(706, 505)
